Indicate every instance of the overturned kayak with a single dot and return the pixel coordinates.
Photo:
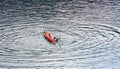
(48, 37)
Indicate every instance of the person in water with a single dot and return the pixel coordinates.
(56, 39)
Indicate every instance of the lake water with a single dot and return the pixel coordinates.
(89, 32)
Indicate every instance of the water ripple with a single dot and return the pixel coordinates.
(23, 45)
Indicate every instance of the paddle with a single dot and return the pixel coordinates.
(59, 44)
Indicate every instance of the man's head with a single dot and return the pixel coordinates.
(57, 39)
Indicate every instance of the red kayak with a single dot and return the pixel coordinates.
(48, 37)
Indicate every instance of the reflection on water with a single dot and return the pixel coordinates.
(89, 32)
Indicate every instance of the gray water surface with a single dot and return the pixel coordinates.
(89, 32)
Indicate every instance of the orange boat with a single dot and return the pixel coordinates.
(48, 37)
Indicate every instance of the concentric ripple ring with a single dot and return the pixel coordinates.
(24, 46)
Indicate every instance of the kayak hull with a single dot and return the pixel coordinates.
(48, 37)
